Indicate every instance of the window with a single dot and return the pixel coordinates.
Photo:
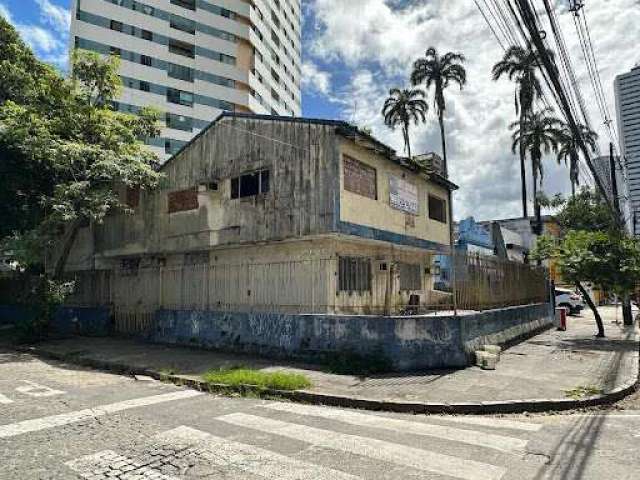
(190, 4)
(146, 60)
(183, 200)
(182, 48)
(115, 25)
(144, 86)
(183, 24)
(167, 147)
(410, 276)
(359, 178)
(437, 209)
(115, 51)
(354, 274)
(147, 35)
(180, 97)
(179, 122)
(181, 73)
(250, 184)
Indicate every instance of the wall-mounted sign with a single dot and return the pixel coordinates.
(403, 195)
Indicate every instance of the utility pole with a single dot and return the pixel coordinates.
(627, 315)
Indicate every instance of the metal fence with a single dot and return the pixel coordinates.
(335, 285)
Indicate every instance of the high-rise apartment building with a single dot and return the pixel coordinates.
(192, 59)
(627, 88)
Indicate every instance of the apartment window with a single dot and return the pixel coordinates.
(167, 147)
(410, 276)
(144, 86)
(181, 73)
(179, 122)
(354, 274)
(437, 209)
(227, 13)
(115, 25)
(182, 48)
(190, 4)
(250, 184)
(115, 51)
(183, 24)
(180, 97)
(147, 35)
(145, 60)
(359, 178)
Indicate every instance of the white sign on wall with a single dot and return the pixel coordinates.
(403, 195)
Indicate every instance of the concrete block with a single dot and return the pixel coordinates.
(494, 349)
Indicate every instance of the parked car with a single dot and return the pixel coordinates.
(569, 299)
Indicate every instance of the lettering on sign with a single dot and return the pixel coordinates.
(359, 178)
(403, 195)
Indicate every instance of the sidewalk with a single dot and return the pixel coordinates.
(545, 367)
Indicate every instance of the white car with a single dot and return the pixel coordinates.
(570, 300)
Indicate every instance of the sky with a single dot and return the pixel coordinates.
(354, 51)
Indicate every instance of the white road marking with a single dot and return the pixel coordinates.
(471, 437)
(92, 466)
(5, 400)
(36, 390)
(248, 458)
(37, 424)
(492, 422)
(369, 447)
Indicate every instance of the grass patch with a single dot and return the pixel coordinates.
(246, 376)
(581, 392)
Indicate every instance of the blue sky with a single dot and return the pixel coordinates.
(354, 51)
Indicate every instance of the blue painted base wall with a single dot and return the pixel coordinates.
(92, 321)
(410, 343)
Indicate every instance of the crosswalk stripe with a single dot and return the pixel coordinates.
(471, 437)
(94, 466)
(37, 424)
(251, 459)
(398, 454)
(492, 422)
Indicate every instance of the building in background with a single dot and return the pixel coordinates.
(627, 87)
(193, 59)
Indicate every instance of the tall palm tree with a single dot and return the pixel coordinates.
(404, 107)
(569, 147)
(439, 71)
(539, 133)
(521, 66)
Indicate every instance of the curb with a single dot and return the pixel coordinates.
(303, 396)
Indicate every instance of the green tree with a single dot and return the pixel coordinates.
(521, 66)
(586, 210)
(440, 72)
(569, 148)
(539, 133)
(405, 107)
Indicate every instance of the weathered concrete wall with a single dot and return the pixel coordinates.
(410, 343)
(90, 321)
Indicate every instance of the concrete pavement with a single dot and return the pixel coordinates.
(59, 421)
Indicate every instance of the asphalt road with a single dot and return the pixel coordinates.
(58, 421)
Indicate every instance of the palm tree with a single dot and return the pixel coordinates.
(404, 107)
(439, 71)
(569, 147)
(520, 65)
(538, 133)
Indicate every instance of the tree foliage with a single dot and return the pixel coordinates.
(404, 107)
(66, 154)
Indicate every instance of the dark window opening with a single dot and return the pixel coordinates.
(179, 122)
(183, 24)
(182, 48)
(145, 60)
(190, 4)
(410, 276)
(250, 184)
(115, 51)
(437, 209)
(354, 274)
(181, 73)
(180, 97)
(115, 25)
(147, 35)
(144, 86)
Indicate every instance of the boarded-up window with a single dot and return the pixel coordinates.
(183, 200)
(410, 278)
(354, 274)
(359, 178)
(437, 209)
(133, 197)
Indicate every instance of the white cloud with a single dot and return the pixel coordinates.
(54, 15)
(41, 40)
(4, 12)
(315, 79)
(378, 41)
